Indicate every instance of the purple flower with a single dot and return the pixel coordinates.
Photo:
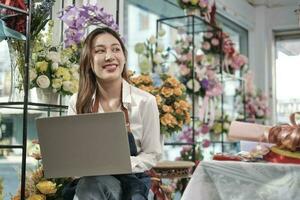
(79, 18)
(204, 83)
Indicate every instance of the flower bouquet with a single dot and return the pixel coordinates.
(220, 126)
(51, 68)
(192, 6)
(173, 108)
(211, 43)
(37, 186)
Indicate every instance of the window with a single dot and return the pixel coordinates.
(287, 72)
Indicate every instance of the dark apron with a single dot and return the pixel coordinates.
(132, 184)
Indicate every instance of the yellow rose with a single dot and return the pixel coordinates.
(41, 66)
(167, 109)
(63, 73)
(37, 197)
(177, 91)
(167, 92)
(46, 187)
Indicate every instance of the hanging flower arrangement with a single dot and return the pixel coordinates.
(78, 18)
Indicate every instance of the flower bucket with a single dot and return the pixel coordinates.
(192, 11)
(47, 96)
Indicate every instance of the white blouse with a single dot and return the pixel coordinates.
(144, 125)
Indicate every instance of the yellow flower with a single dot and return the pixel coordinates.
(180, 123)
(17, 197)
(63, 73)
(158, 100)
(177, 91)
(187, 118)
(146, 79)
(173, 82)
(37, 175)
(179, 111)
(182, 105)
(41, 66)
(194, 2)
(37, 197)
(46, 187)
(167, 92)
(168, 119)
(167, 109)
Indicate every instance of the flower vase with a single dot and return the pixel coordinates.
(192, 11)
(47, 96)
(16, 93)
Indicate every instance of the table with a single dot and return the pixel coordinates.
(230, 180)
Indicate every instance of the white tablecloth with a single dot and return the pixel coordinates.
(229, 180)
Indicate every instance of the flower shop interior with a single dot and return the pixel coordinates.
(227, 108)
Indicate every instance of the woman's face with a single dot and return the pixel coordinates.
(108, 58)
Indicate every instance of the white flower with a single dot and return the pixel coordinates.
(157, 59)
(75, 75)
(161, 32)
(160, 47)
(43, 81)
(54, 66)
(75, 66)
(152, 39)
(67, 86)
(196, 85)
(54, 56)
(32, 74)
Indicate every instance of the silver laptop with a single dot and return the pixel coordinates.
(84, 145)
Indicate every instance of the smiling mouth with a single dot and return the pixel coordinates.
(110, 67)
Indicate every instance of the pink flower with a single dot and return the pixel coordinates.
(238, 61)
(184, 70)
(205, 143)
(208, 35)
(203, 4)
(189, 56)
(206, 46)
(183, 58)
(204, 129)
(215, 42)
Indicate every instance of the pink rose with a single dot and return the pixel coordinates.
(206, 46)
(215, 42)
(184, 70)
(238, 61)
(205, 143)
(208, 35)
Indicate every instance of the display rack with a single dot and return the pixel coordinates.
(194, 26)
(23, 107)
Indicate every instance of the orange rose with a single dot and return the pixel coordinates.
(167, 109)
(177, 91)
(187, 118)
(167, 92)
(167, 119)
(158, 100)
(173, 82)
(146, 79)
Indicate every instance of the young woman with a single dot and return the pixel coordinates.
(104, 87)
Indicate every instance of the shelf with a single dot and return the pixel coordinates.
(18, 10)
(178, 143)
(34, 106)
(189, 23)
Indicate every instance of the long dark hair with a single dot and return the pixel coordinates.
(88, 80)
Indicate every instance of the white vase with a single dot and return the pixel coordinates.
(47, 96)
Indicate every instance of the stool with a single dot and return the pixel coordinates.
(168, 170)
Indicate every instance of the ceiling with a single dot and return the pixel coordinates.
(274, 3)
